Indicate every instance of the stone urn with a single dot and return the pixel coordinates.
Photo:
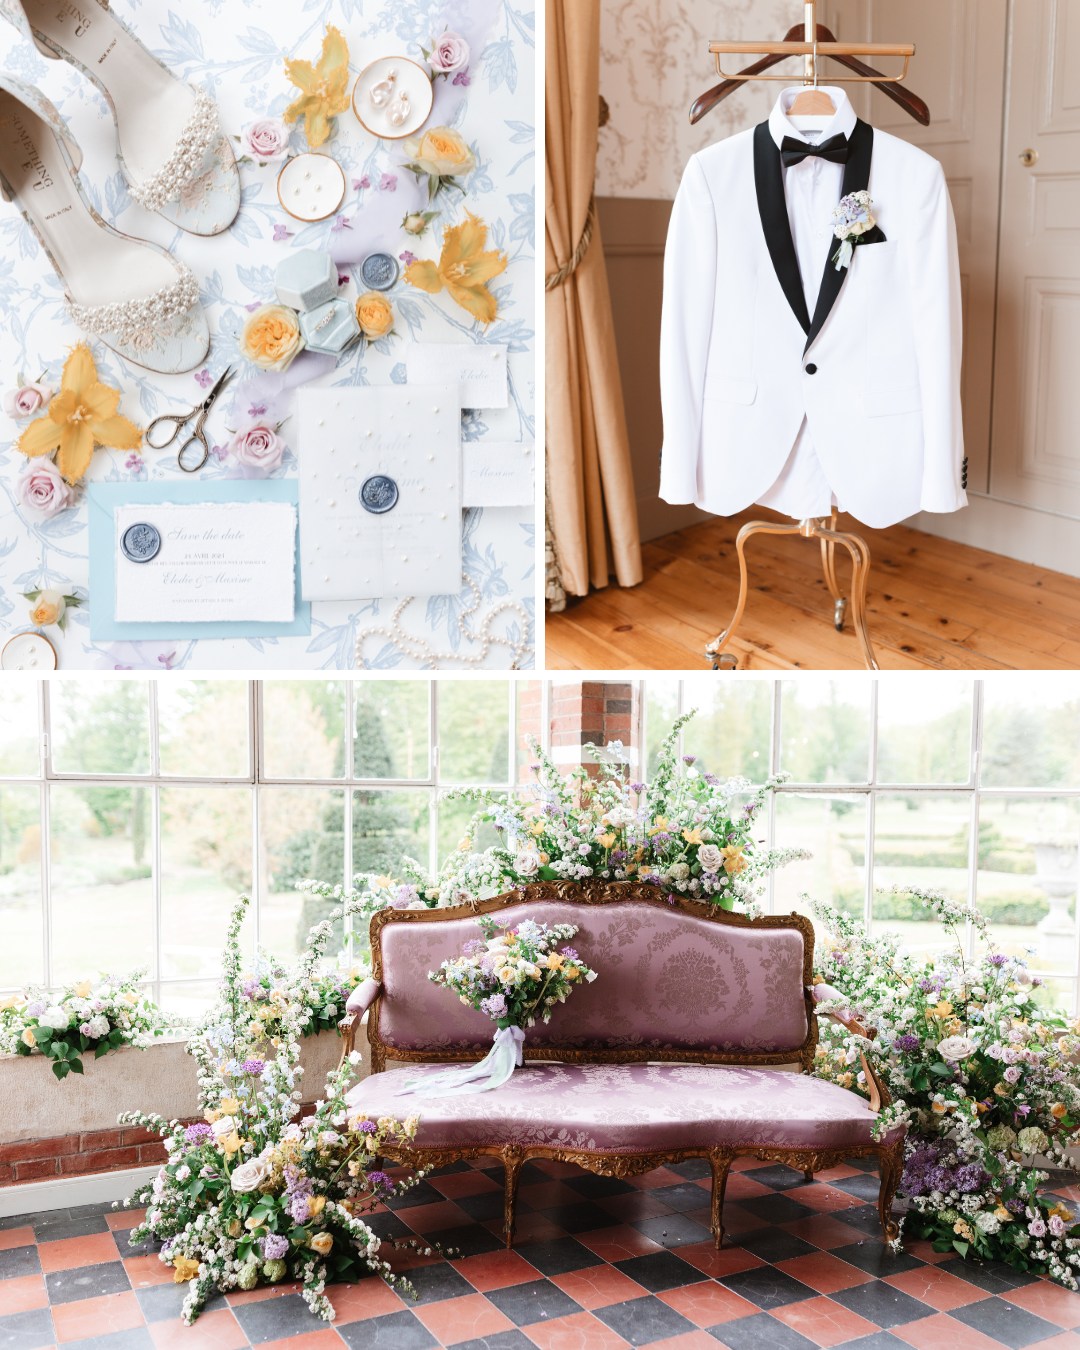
(1058, 877)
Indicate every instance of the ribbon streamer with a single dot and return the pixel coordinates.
(491, 1072)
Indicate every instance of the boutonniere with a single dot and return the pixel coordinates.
(854, 223)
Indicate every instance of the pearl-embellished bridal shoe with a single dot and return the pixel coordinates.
(136, 297)
(171, 149)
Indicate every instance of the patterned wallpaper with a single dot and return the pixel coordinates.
(654, 61)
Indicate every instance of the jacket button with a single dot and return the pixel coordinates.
(811, 369)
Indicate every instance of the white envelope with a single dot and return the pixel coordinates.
(497, 473)
(352, 443)
(478, 370)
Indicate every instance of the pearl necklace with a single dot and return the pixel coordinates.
(426, 657)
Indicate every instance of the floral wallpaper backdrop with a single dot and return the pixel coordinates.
(237, 50)
(654, 62)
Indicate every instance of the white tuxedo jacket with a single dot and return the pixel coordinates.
(875, 370)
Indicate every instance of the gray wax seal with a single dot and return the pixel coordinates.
(378, 494)
(140, 543)
(379, 271)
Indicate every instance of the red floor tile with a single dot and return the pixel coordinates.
(122, 1220)
(598, 1286)
(22, 1294)
(431, 1218)
(823, 1272)
(553, 1168)
(824, 1322)
(925, 1252)
(462, 1319)
(689, 1340)
(215, 1330)
(238, 1297)
(634, 1205)
(527, 1228)
(825, 1231)
(496, 1270)
(825, 1198)
(16, 1237)
(659, 1176)
(728, 1261)
(70, 1253)
(147, 1270)
(581, 1331)
(742, 1186)
(939, 1288)
(707, 1303)
(942, 1332)
(1067, 1340)
(549, 1195)
(617, 1243)
(96, 1316)
(307, 1340)
(371, 1297)
(463, 1183)
(838, 1173)
(1058, 1305)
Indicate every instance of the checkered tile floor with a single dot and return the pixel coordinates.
(598, 1263)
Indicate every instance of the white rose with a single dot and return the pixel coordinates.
(54, 1017)
(710, 857)
(249, 1176)
(527, 862)
(955, 1048)
(680, 871)
(224, 1126)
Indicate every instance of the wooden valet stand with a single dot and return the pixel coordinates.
(816, 41)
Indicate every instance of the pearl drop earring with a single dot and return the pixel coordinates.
(381, 92)
(399, 110)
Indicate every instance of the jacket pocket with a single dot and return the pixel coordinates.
(891, 401)
(728, 389)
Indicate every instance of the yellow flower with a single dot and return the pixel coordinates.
(322, 1242)
(234, 1228)
(938, 1108)
(464, 844)
(184, 1269)
(464, 268)
(83, 414)
(1003, 1214)
(693, 836)
(659, 825)
(28, 1037)
(375, 315)
(1058, 1110)
(1060, 1211)
(734, 862)
(230, 1144)
(1000, 1090)
(381, 883)
(48, 609)
(10, 1001)
(228, 1106)
(942, 1009)
(323, 87)
(271, 337)
(963, 1228)
(606, 839)
(256, 1029)
(440, 153)
(316, 1204)
(554, 961)
(82, 989)
(537, 828)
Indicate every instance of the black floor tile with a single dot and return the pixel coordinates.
(593, 1187)
(776, 1208)
(57, 1224)
(659, 1271)
(423, 1193)
(863, 1217)
(882, 1304)
(126, 1248)
(535, 1301)
(995, 1277)
(26, 1328)
(867, 1187)
(693, 1169)
(768, 1288)
(388, 1226)
(450, 1169)
(271, 1319)
(485, 1205)
(681, 1198)
(67, 1286)
(760, 1332)
(644, 1320)
(877, 1258)
(471, 1239)
(135, 1338)
(557, 1256)
(673, 1230)
(18, 1261)
(773, 1244)
(159, 1302)
(1005, 1322)
(436, 1282)
(581, 1218)
(776, 1175)
(394, 1331)
(879, 1340)
(501, 1340)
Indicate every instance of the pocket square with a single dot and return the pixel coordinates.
(872, 236)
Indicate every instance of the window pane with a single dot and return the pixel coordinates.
(301, 836)
(924, 730)
(454, 817)
(825, 730)
(203, 728)
(730, 734)
(1031, 732)
(102, 895)
(205, 865)
(661, 710)
(190, 999)
(100, 727)
(391, 737)
(1027, 880)
(474, 731)
(920, 840)
(20, 887)
(387, 826)
(304, 729)
(833, 829)
(19, 728)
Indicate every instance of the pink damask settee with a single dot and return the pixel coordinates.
(672, 1053)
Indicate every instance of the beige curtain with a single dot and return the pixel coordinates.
(592, 515)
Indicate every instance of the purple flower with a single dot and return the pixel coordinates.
(166, 659)
(343, 278)
(274, 1247)
(253, 1067)
(203, 378)
(407, 258)
(461, 79)
(360, 183)
(712, 780)
(388, 182)
(367, 1127)
(280, 234)
(340, 223)
(494, 1005)
(907, 1043)
(998, 959)
(257, 410)
(637, 787)
(971, 1177)
(473, 947)
(571, 954)
(134, 462)
(689, 759)
(381, 1180)
(195, 1134)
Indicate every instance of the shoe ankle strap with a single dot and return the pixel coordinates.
(39, 106)
(15, 13)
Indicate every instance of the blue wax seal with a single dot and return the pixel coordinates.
(378, 494)
(379, 271)
(140, 543)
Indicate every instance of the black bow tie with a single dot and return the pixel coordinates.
(794, 152)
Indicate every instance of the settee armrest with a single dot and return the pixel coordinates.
(847, 1017)
(359, 1001)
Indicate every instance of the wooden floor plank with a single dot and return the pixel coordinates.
(933, 605)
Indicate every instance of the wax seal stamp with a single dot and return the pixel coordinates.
(140, 543)
(379, 271)
(378, 494)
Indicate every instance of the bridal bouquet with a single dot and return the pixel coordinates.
(252, 1194)
(513, 976)
(985, 1078)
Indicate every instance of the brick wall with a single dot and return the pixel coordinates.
(595, 711)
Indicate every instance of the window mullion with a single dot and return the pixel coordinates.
(156, 888)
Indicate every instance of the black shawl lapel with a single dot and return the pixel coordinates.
(772, 207)
(856, 178)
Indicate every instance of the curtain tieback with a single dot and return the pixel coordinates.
(568, 269)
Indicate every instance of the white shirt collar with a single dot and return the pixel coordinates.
(841, 123)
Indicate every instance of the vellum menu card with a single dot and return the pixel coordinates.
(497, 473)
(478, 370)
(208, 562)
(380, 492)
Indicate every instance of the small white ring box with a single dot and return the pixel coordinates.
(306, 279)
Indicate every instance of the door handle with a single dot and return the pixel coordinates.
(1029, 157)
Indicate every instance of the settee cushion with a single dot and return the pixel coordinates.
(628, 1108)
(667, 980)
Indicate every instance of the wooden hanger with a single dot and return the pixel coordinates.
(911, 103)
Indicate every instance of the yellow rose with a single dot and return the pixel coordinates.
(82, 989)
(49, 609)
(375, 315)
(442, 153)
(184, 1269)
(316, 1204)
(28, 1038)
(271, 337)
(10, 1001)
(1058, 1110)
(321, 1243)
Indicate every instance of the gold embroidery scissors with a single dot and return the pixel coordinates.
(200, 412)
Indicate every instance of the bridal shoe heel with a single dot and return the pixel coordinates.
(171, 149)
(132, 295)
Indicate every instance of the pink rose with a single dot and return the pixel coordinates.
(449, 53)
(265, 140)
(42, 489)
(27, 401)
(259, 447)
